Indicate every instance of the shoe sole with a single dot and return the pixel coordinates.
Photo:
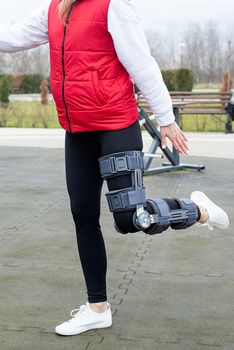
(200, 198)
(85, 329)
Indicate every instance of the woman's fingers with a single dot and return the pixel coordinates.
(179, 143)
(164, 141)
(183, 135)
(176, 136)
(183, 143)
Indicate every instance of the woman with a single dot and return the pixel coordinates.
(96, 49)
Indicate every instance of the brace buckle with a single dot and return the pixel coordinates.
(118, 164)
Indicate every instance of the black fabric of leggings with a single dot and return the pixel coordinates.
(84, 184)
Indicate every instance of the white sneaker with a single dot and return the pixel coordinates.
(84, 319)
(217, 216)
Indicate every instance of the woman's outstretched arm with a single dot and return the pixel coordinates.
(26, 34)
(134, 53)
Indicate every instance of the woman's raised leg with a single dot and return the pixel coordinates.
(121, 165)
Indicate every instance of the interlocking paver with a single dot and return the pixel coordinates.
(172, 291)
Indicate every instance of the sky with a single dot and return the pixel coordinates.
(154, 14)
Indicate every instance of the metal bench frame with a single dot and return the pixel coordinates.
(173, 155)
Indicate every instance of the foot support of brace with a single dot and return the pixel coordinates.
(134, 197)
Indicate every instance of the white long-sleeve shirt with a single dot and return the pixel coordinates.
(129, 41)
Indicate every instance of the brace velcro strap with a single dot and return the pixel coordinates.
(164, 216)
(191, 214)
(160, 219)
(125, 199)
(121, 163)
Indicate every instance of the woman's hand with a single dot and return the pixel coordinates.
(176, 136)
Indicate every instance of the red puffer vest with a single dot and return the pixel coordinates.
(91, 88)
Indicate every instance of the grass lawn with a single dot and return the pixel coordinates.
(207, 86)
(203, 122)
(29, 115)
(35, 115)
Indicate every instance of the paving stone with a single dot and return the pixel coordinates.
(172, 291)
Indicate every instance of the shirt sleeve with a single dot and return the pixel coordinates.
(27, 33)
(134, 53)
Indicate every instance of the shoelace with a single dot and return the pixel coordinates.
(77, 312)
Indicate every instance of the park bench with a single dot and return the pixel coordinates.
(215, 103)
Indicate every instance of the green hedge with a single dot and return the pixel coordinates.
(178, 79)
(175, 80)
(31, 83)
(169, 78)
(5, 88)
(184, 79)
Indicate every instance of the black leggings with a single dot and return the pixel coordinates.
(84, 184)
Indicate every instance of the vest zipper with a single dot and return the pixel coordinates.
(63, 64)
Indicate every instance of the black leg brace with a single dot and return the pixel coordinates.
(134, 197)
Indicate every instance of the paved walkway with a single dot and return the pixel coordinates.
(172, 291)
(201, 144)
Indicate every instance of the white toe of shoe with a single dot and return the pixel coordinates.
(218, 218)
